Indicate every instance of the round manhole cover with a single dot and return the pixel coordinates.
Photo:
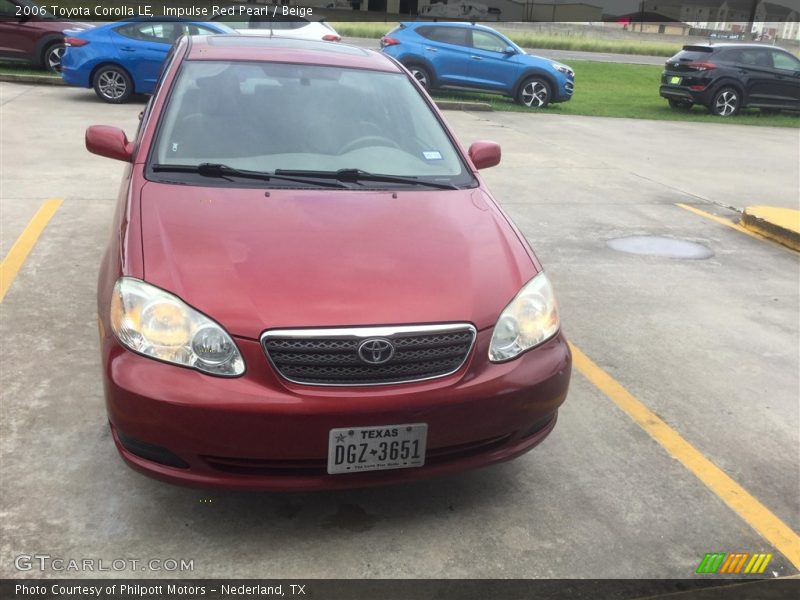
(653, 245)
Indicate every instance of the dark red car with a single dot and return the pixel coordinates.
(28, 33)
(308, 284)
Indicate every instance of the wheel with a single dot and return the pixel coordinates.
(51, 56)
(368, 141)
(112, 84)
(680, 104)
(534, 93)
(422, 75)
(726, 102)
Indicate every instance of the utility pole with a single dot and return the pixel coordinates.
(752, 18)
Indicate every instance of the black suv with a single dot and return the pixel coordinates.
(727, 77)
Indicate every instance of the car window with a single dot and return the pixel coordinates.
(483, 40)
(733, 55)
(756, 57)
(199, 30)
(237, 113)
(784, 61)
(449, 35)
(692, 54)
(277, 22)
(164, 33)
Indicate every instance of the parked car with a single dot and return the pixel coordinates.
(124, 58)
(278, 25)
(327, 299)
(476, 57)
(728, 77)
(30, 34)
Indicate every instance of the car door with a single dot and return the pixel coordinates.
(447, 49)
(490, 65)
(755, 67)
(786, 70)
(17, 38)
(142, 49)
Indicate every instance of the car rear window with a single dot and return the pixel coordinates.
(265, 116)
(692, 54)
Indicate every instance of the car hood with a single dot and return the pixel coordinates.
(306, 258)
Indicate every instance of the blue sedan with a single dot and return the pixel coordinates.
(125, 57)
(475, 57)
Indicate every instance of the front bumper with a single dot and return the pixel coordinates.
(565, 91)
(262, 432)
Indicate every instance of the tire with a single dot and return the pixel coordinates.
(422, 75)
(680, 104)
(726, 102)
(112, 84)
(51, 56)
(534, 92)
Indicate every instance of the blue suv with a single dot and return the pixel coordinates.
(476, 57)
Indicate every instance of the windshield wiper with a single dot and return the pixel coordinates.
(357, 176)
(224, 171)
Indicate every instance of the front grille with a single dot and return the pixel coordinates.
(336, 356)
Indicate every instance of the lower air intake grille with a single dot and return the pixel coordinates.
(368, 355)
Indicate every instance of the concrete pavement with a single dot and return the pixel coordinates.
(710, 346)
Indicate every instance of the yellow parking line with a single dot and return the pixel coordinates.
(22, 247)
(758, 516)
(727, 223)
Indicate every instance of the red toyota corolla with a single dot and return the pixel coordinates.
(308, 284)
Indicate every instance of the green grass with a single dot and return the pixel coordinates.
(620, 90)
(576, 42)
(536, 40)
(601, 90)
(15, 68)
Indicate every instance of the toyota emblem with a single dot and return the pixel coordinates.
(375, 351)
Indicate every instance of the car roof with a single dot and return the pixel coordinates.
(466, 24)
(286, 49)
(138, 20)
(713, 45)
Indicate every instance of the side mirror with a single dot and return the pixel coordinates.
(484, 154)
(110, 142)
(509, 50)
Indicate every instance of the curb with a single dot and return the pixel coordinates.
(779, 224)
(35, 79)
(455, 105)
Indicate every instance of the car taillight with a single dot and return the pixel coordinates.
(76, 42)
(331, 37)
(701, 66)
(387, 41)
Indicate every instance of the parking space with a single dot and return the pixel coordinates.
(709, 346)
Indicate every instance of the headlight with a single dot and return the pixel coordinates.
(155, 323)
(530, 319)
(565, 70)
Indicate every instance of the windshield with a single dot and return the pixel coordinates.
(261, 116)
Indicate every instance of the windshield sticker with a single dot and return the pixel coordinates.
(432, 155)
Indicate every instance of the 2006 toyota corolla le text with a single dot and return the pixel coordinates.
(308, 284)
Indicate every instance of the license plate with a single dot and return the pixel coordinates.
(359, 449)
(675, 80)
